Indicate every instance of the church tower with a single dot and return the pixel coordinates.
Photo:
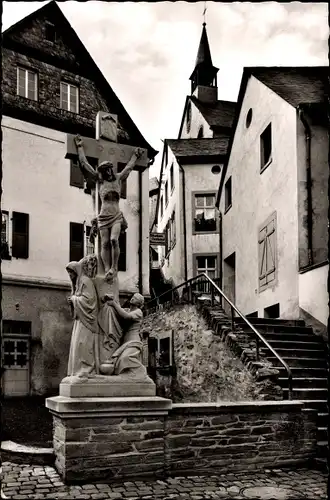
(204, 77)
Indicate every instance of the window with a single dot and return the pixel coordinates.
(228, 194)
(76, 241)
(50, 32)
(200, 132)
(166, 193)
(266, 147)
(207, 264)
(123, 192)
(5, 235)
(89, 247)
(27, 85)
(172, 176)
(267, 252)
(76, 175)
(69, 97)
(173, 230)
(216, 169)
(248, 118)
(204, 213)
(188, 122)
(161, 206)
(168, 236)
(20, 242)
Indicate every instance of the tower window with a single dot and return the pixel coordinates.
(200, 132)
(188, 123)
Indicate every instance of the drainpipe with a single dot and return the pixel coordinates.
(140, 231)
(220, 254)
(184, 221)
(308, 136)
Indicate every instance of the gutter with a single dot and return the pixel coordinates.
(184, 221)
(309, 209)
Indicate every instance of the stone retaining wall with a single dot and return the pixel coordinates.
(225, 438)
(116, 438)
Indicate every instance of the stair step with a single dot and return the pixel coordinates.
(306, 362)
(304, 382)
(322, 434)
(296, 352)
(323, 448)
(308, 394)
(305, 372)
(316, 404)
(279, 329)
(296, 345)
(322, 419)
(272, 321)
(291, 337)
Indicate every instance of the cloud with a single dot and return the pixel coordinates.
(147, 50)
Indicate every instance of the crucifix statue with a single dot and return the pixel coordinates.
(109, 221)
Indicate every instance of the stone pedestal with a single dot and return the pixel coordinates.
(102, 439)
(107, 386)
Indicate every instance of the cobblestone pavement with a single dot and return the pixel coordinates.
(37, 482)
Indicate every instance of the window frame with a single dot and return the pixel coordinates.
(227, 204)
(265, 164)
(206, 255)
(172, 177)
(16, 250)
(5, 252)
(262, 253)
(193, 211)
(36, 81)
(69, 85)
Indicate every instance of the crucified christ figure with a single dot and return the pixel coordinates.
(110, 220)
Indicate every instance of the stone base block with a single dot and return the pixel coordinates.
(103, 439)
(108, 387)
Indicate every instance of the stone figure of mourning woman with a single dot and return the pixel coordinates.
(84, 306)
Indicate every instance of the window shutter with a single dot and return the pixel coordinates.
(270, 251)
(76, 175)
(262, 257)
(123, 252)
(20, 241)
(123, 193)
(76, 241)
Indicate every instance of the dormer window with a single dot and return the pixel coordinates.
(50, 32)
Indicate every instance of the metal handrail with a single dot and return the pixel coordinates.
(233, 308)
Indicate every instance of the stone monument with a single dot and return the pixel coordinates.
(106, 378)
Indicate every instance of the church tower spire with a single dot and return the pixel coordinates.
(204, 77)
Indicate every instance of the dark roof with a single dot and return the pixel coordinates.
(307, 85)
(219, 114)
(295, 85)
(199, 147)
(204, 53)
(86, 63)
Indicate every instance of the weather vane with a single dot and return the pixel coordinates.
(204, 12)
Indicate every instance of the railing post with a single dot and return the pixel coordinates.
(257, 350)
(232, 319)
(212, 296)
(172, 297)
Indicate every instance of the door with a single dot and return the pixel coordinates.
(15, 365)
(229, 279)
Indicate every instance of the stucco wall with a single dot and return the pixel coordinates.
(199, 178)
(313, 293)
(256, 196)
(36, 180)
(51, 326)
(197, 120)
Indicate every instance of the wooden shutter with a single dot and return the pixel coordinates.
(123, 193)
(76, 175)
(76, 241)
(123, 252)
(267, 253)
(20, 241)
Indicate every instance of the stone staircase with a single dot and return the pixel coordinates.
(306, 355)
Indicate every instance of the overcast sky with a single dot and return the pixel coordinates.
(147, 51)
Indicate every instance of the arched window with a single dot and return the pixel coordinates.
(200, 132)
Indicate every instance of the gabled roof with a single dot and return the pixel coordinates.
(298, 86)
(295, 85)
(219, 114)
(86, 65)
(195, 147)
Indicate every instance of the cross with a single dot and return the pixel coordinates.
(204, 11)
(105, 148)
